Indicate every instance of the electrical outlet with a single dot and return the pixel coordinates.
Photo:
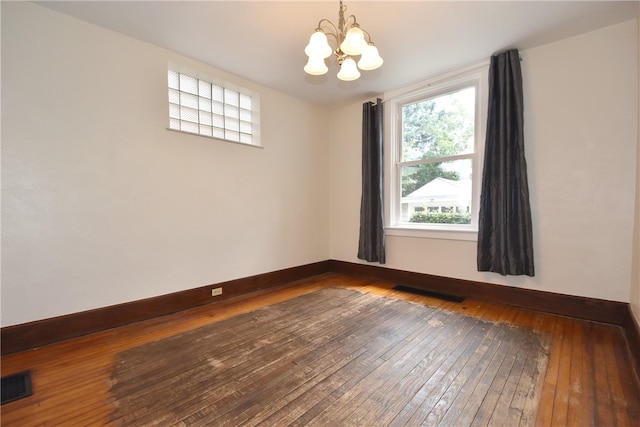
(216, 291)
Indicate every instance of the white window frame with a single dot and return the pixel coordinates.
(473, 75)
(205, 117)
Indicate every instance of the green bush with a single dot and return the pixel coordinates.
(441, 217)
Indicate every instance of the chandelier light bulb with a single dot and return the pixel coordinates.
(354, 42)
(318, 45)
(348, 70)
(316, 66)
(370, 59)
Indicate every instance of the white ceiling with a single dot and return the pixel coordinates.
(264, 40)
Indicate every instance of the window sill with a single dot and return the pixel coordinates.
(468, 234)
(246, 144)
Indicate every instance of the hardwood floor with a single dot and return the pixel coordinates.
(585, 378)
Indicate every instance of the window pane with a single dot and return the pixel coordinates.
(245, 102)
(204, 89)
(232, 136)
(189, 100)
(233, 124)
(231, 97)
(218, 133)
(218, 94)
(245, 127)
(189, 114)
(218, 121)
(204, 104)
(247, 139)
(174, 111)
(245, 115)
(188, 84)
(174, 124)
(189, 127)
(205, 118)
(441, 126)
(231, 111)
(437, 192)
(174, 96)
(205, 130)
(174, 79)
(217, 107)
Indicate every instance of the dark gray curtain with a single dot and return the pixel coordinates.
(371, 244)
(505, 243)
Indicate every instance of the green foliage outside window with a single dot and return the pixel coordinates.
(441, 217)
(435, 128)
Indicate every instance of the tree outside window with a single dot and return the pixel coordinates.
(438, 141)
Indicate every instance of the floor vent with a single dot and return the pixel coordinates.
(445, 297)
(16, 386)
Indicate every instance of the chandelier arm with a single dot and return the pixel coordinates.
(334, 32)
(324, 20)
(368, 36)
(335, 36)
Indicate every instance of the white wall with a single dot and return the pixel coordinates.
(581, 111)
(102, 205)
(635, 272)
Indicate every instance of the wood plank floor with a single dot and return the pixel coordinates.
(399, 373)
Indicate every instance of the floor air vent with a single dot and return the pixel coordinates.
(445, 297)
(16, 386)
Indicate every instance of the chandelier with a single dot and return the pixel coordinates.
(350, 41)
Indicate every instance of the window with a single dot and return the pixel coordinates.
(435, 136)
(214, 110)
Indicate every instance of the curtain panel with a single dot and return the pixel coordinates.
(371, 245)
(505, 243)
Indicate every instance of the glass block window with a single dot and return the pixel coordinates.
(204, 108)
